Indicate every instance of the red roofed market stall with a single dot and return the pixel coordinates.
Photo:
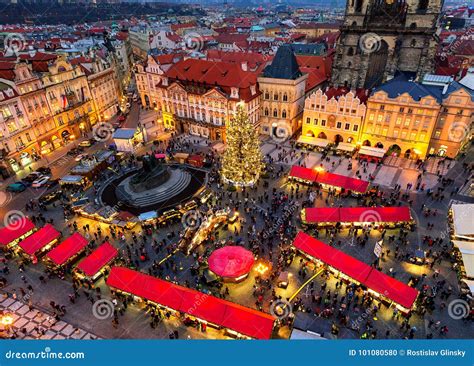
(232, 263)
(356, 215)
(39, 242)
(67, 251)
(324, 178)
(17, 230)
(92, 266)
(236, 319)
(349, 268)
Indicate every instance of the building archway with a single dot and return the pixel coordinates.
(366, 143)
(322, 135)
(310, 133)
(394, 150)
(379, 145)
(407, 154)
(338, 138)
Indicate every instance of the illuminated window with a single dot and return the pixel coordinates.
(339, 125)
(347, 126)
(379, 118)
(371, 117)
(323, 122)
(399, 121)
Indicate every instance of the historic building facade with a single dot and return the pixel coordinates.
(336, 114)
(380, 38)
(283, 86)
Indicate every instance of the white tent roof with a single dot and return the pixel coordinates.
(372, 151)
(466, 247)
(470, 284)
(463, 219)
(468, 260)
(300, 334)
(313, 141)
(344, 146)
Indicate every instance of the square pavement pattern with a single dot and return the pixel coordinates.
(25, 322)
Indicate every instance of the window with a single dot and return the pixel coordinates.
(379, 118)
(28, 137)
(399, 121)
(410, 110)
(315, 122)
(323, 122)
(339, 125)
(355, 128)
(275, 96)
(347, 126)
(350, 51)
(285, 97)
(371, 117)
(460, 112)
(283, 113)
(275, 113)
(382, 107)
(267, 95)
(308, 120)
(407, 122)
(402, 109)
(404, 134)
(437, 134)
(413, 136)
(395, 133)
(266, 112)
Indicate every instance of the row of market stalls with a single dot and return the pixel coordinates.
(327, 180)
(27, 241)
(387, 289)
(359, 216)
(462, 235)
(237, 320)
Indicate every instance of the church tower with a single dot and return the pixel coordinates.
(382, 37)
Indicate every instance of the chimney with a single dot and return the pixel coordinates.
(244, 66)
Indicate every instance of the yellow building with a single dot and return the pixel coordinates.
(454, 124)
(400, 118)
(336, 115)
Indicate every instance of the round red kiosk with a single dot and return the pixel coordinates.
(232, 263)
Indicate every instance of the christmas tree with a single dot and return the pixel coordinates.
(242, 161)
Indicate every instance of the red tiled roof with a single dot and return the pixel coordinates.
(249, 322)
(175, 27)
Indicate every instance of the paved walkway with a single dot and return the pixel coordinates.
(25, 321)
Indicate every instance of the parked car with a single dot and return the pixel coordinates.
(74, 151)
(85, 143)
(52, 183)
(45, 170)
(40, 182)
(30, 178)
(51, 197)
(16, 187)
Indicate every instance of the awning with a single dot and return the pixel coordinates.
(180, 156)
(232, 261)
(462, 219)
(391, 288)
(372, 151)
(468, 261)
(302, 173)
(99, 258)
(160, 156)
(466, 247)
(344, 146)
(148, 216)
(357, 214)
(243, 320)
(379, 282)
(67, 249)
(39, 239)
(15, 230)
(71, 179)
(313, 141)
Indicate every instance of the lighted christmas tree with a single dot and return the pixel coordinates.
(242, 161)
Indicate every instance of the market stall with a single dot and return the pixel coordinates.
(94, 265)
(19, 229)
(196, 160)
(67, 251)
(236, 320)
(460, 216)
(382, 286)
(75, 181)
(372, 154)
(328, 180)
(39, 242)
(232, 263)
(359, 216)
(345, 147)
(181, 157)
(313, 141)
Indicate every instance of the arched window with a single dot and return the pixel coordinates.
(349, 64)
(350, 51)
(358, 6)
(413, 43)
(275, 113)
(266, 112)
(275, 96)
(283, 113)
(285, 97)
(423, 4)
(267, 95)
